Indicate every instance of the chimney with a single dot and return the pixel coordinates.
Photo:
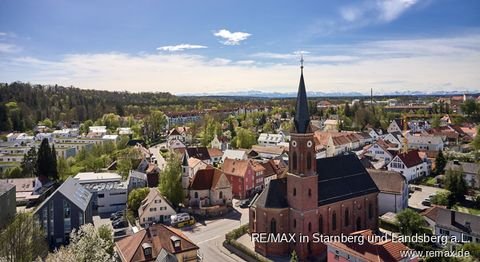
(452, 217)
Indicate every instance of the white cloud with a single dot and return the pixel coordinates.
(180, 47)
(8, 48)
(390, 10)
(231, 38)
(385, 66)
(3, 34)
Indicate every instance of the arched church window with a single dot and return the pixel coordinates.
(273, 226)
(309, 161)
(294, 161)
(347, 217)
(334, 221)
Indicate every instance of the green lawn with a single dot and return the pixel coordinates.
(463, 209)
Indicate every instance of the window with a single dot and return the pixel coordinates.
(370, 210)
(334, 220)
(101, 195)
(294, 191)
(309, 161)
(294, 160)
(80, 218)
(320, 224)
(196, 194)
(273, 226)
(294, 223)
(66, 217)
(309, 226)
(309, 192)
(51, 217)
(220, 195)
(347, 217)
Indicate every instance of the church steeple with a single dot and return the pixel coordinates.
(302, 117)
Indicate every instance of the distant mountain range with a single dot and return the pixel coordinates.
(261, 94)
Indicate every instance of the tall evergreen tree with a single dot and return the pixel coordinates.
(46, 162)
(54, 169)
(440, 163)
(29, 162)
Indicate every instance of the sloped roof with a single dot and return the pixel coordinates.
(372, 251)
(302, 117)
(153, 194)
(472, 168)
(454, 220)
(234, 154)
(73, 191)
(411, 158)
(235, 167)
(274, 150)
(274, 195)
(198, 152)
(388, 181)
(206, 179)
(215, 152)
(158, 237)
(342, 177)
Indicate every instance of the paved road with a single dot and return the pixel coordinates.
(418, 196)
(210, 235)
(155, 150)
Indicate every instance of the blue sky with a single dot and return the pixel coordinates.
(212, 46)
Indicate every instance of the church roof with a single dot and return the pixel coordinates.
(302, 117)
(342, 177)
(274, 195)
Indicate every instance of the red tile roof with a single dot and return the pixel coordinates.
(158, 237)
(411, 158)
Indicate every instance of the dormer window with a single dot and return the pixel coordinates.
(175, 241)
(147, 249)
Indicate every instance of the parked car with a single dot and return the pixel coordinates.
(178, 218)
(120, 224)
(245, 203)
(119, 233)
(426, 202)
(116, 215)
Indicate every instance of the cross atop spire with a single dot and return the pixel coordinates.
(301, 62)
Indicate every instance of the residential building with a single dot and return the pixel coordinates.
(209, 187)
(215, 155)
(7, 202)
(380, 150)
(136, 180)
(157, 243)
(235, 154)
(266, 139)
(470, 171)
(181, 133)
(96, 131)
(396, 125)
(155, 209)
(273, 169)
(268, 152)
(332, 196)
(445, 222)
(410, 165)
(124, 131)
(109, 192)
(200, 153)
(369, 251)
(425, 142)
(241, 176)
(393, 186)
(69, 207)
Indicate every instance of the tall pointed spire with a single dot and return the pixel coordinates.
(302, 117)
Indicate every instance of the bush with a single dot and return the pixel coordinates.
(236, 233)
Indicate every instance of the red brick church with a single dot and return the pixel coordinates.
(329, 196)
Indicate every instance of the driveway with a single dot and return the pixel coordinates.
(415, 201)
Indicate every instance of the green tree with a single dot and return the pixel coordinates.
(47, 122)
(86, 244)
(105, 233)
(153, 125)
(476, 140)
(440, 163)
(441, 198)
(455, 183)
(436, 121)
(23, 239)
(474, 249)
(293, 256)
(245, 138)
(46, 161)
(469, 107)
(171, 180)
(135, 199)
(111, 120)
(410, 222)
(29, 162)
